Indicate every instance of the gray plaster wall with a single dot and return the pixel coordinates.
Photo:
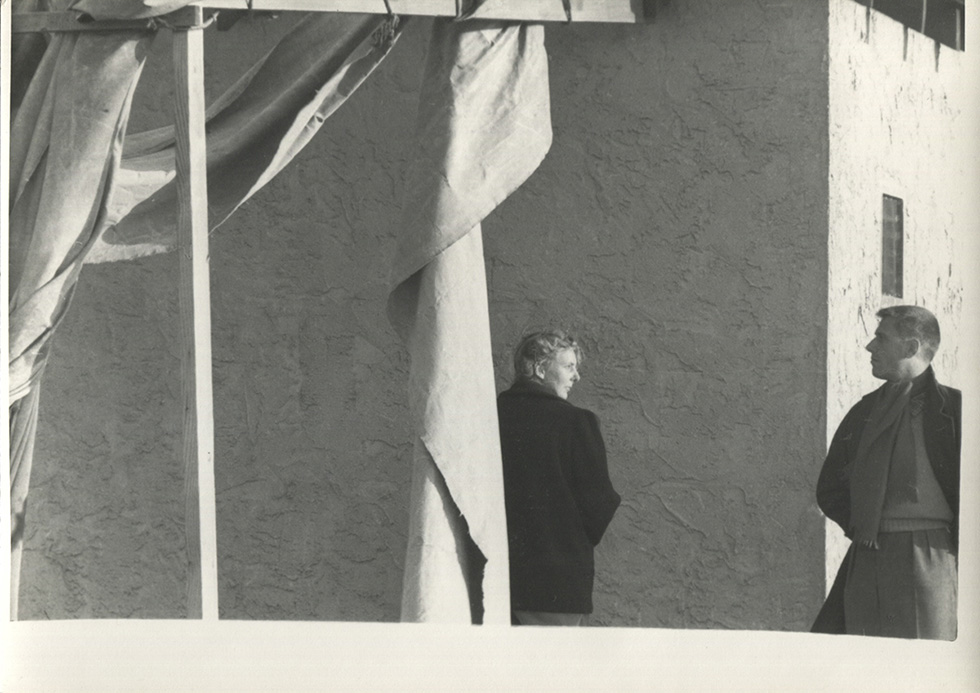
(678, 227)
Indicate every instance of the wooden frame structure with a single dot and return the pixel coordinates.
(187, 25)
(618, 11)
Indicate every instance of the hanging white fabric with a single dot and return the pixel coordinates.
(484, 126)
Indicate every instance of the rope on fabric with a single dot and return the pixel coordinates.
(465, 10)
(567, 5)
(384, 35)
(159, 22)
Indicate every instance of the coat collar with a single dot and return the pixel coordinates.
(529, 387)
(926, 383)
(923, 382)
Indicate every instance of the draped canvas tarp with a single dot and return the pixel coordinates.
(75, 198)
(484, 125)
(253, 130)
(66, 142)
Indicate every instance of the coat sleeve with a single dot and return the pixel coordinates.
(946, 457)
(833, 484)
(588, 473)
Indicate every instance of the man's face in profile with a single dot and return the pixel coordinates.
(888, 351)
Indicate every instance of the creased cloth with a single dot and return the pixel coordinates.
(23, 430)
(484, 125)
(127, 9)
(66, 142)
(253, 130)
(886, 441)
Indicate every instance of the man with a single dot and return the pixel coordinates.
(891, 480)
(558, 495)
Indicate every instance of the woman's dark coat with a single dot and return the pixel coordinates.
(558, 495)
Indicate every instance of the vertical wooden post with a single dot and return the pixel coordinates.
(195, 316)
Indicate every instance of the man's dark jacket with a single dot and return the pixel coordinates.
(941, 430)
(558, 496)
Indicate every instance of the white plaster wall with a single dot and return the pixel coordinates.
(897, 127)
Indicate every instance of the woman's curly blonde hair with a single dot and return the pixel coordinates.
(540, 348)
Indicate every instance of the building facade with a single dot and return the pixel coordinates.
(707, 222)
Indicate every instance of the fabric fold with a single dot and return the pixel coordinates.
(68, 133)
(127, 9)
(253, 131)
(484, 126)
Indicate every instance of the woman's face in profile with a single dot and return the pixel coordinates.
(560, 373)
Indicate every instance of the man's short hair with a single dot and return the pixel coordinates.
(914, 322)
(540, 348)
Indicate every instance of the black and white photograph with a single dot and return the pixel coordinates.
(491, 345)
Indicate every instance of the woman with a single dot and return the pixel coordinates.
(557, 490)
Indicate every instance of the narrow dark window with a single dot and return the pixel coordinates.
(892, 239)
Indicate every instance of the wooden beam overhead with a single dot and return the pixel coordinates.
(27, 22)
(606, 11)
(614, 11)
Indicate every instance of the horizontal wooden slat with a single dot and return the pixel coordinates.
(618, 11)
(27, 22)
(609, 11)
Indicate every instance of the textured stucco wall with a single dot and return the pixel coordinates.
(896, 127)
(678, 227)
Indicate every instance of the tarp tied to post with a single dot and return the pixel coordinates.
(83, 190)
